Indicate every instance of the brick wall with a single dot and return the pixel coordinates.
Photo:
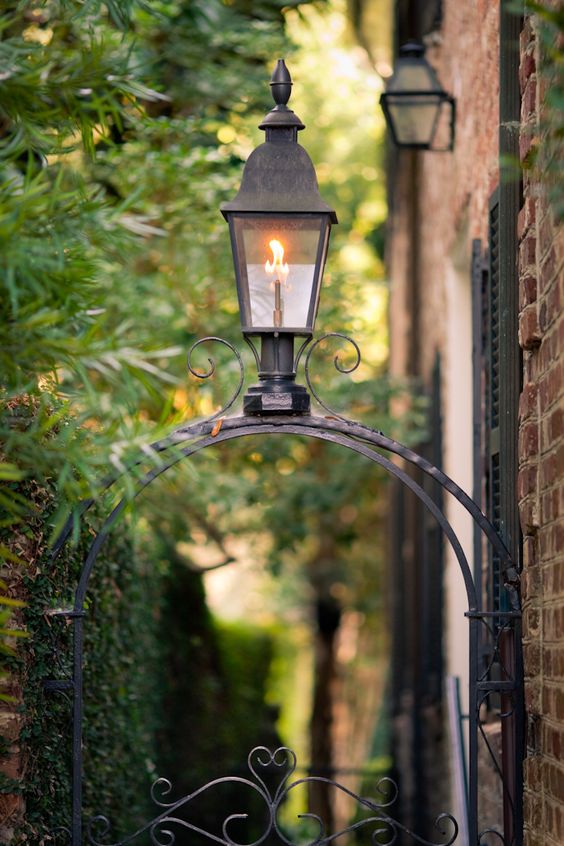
(540, 489)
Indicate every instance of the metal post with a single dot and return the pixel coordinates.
(77, 734)
(473, 717)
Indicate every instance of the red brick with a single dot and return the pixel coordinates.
(546, 233)
(546, 508)
(553, 428)
(555, 780)
(529, 100)
(521, 223)
(526, 36)
(557, 828)
(532, 697)
(557, 708)
(558, 506)
(532, 768)
(556, 424)
(526, 68)
(528, 142)
(528, 401)
(552, 740)
(528, 252)
(528, 516)
(535, 814)
(554, 302)
(529, 440)
(531, 369)
(548, 268)
(548, 350)
(529, 553)
(552, 625)
(531, 583)
(531, 622)
(553, 663)
(528, 290)
(550, 387)
(532, 659)
(530, 334)
(551, 541)
(527, 481)
(560, 461)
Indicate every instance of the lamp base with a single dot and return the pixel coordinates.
(280, 396)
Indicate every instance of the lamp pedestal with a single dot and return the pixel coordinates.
(277, 392)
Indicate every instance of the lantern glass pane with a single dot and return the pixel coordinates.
(279, 263)
(414, 118)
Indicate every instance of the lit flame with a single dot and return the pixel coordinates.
(277, 265)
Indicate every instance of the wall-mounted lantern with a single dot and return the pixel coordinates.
(414, 101)
(279, 236)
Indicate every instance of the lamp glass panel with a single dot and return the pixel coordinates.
(414, 117)
(279, 261)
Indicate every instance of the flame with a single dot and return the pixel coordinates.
(277, 265)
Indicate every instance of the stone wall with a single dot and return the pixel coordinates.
(540, 488)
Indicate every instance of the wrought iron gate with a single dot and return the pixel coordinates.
(500, 675)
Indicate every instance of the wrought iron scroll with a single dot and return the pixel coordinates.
(261, 763)
(338, 367)
(212, 368)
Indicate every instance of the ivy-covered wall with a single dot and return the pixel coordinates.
(168, 690)
(122, 678)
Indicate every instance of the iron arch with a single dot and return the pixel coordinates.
(371, 444)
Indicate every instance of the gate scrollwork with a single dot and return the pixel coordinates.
(261, 762)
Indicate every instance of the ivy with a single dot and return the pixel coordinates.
(122, 659)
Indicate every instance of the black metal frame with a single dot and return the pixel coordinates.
(442, 99)
(503, 676)
(243, 292)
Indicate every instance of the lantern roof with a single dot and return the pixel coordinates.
(413, 73)
(279, 176)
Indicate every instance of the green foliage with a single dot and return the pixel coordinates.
(66, 83)
(122, 674)
(109, 191)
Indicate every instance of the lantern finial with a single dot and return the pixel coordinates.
(281, 117)
(281, 85)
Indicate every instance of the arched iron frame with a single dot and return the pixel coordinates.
(502, 627)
